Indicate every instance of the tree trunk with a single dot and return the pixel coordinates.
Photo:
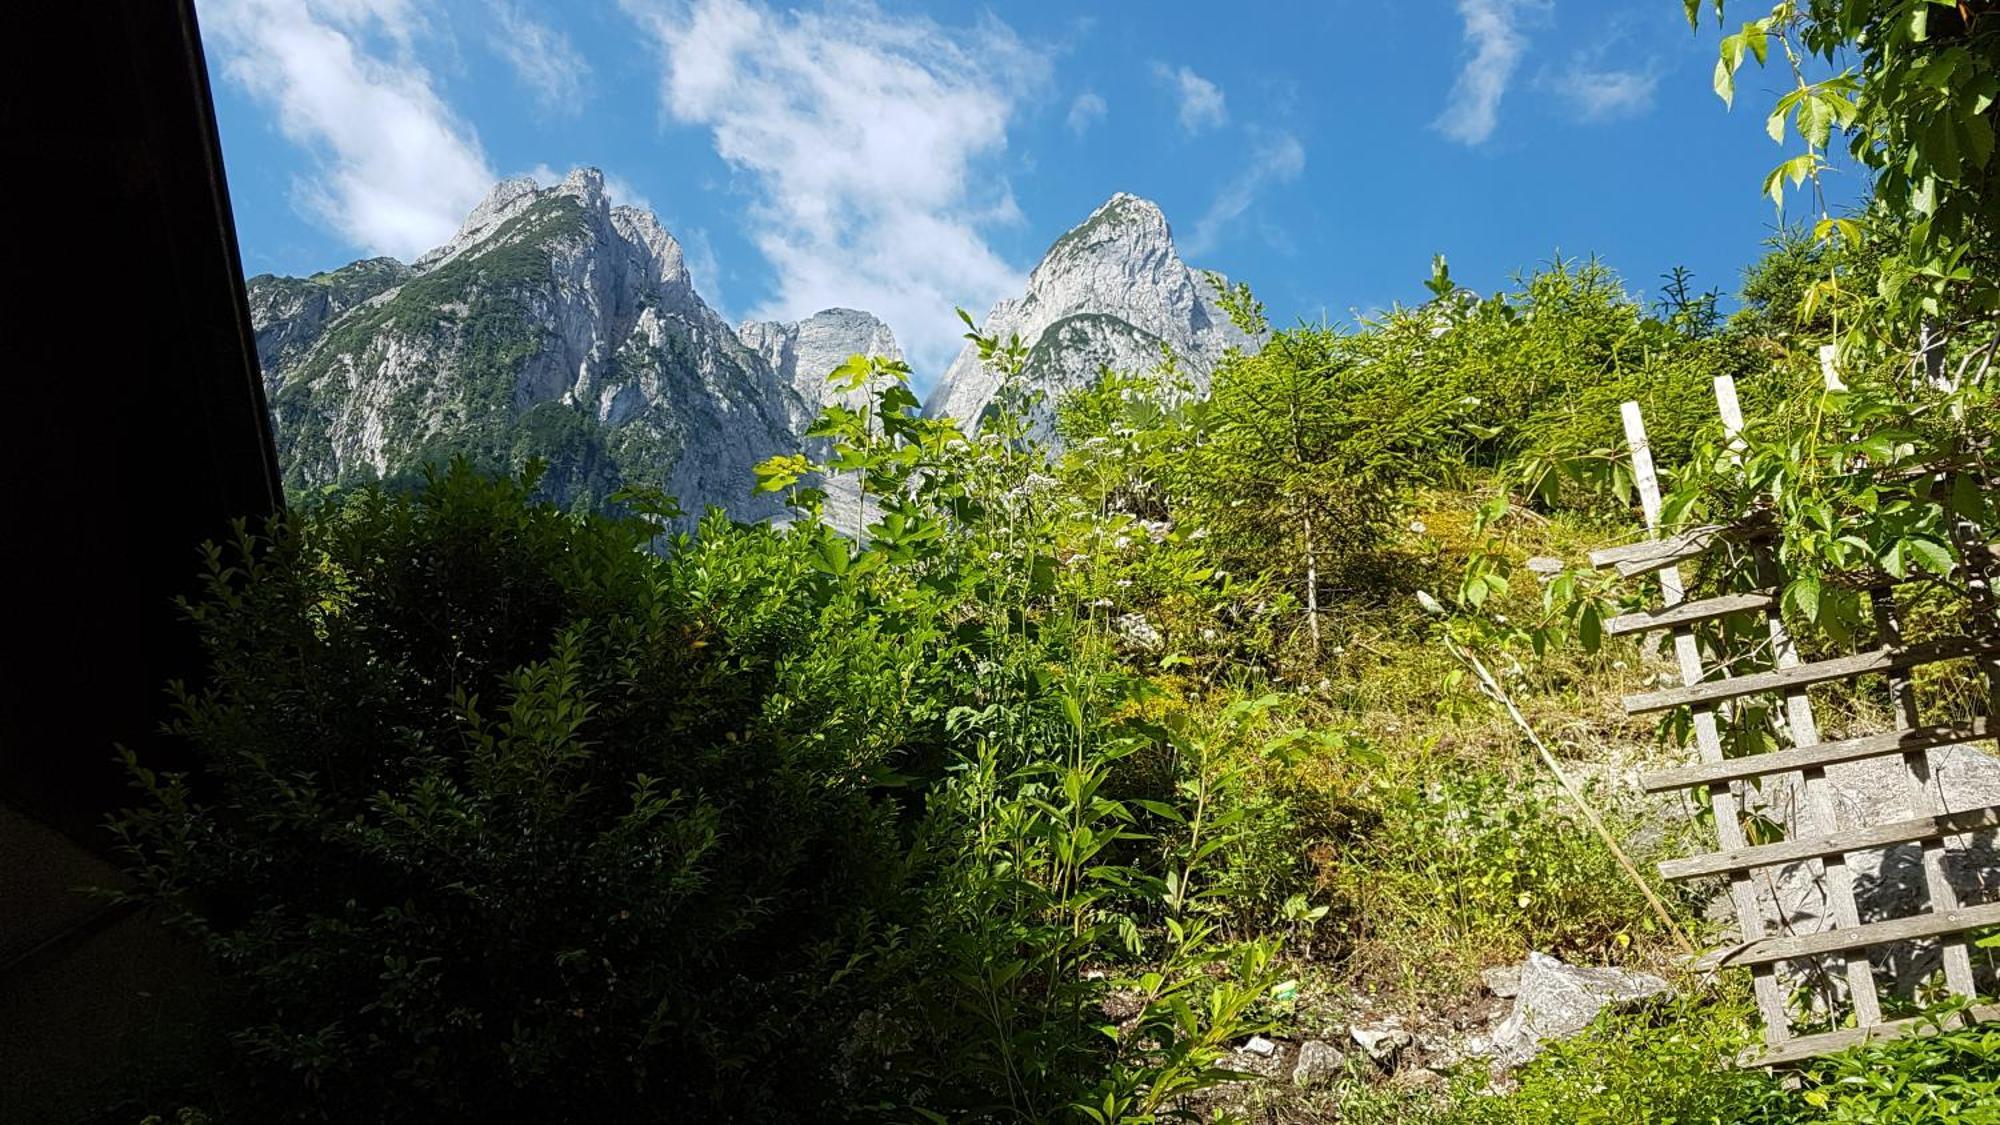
(1312, 588)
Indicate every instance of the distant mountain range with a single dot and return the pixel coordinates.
(558, 326)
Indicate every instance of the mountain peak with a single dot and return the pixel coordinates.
(585, 185)
(804, 352)
(1111, 292)
(1125, 223)
(510, 198)
(551, 325)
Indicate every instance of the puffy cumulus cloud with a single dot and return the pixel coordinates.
(1277, 159)
(1087, 110)
(872, 145)
(1494, 32)
(542, 57)
(1200, 102)
(393, 169)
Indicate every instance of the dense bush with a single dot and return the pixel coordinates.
(1676, 1067)
(501, 815)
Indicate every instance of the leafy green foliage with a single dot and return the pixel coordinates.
(1008, 800)
(500, 814)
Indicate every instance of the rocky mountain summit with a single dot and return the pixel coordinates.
(551, 325)
(555, 325)
(1110, 293)
(803, 353)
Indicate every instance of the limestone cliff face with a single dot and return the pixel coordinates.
(803, 353)
(552, 325)
(290, 312)
(1110, 293)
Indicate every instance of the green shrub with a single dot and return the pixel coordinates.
(501, 816)
(1676, 1066)
(1951, 1078)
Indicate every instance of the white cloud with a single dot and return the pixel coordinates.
(1201, 102)
(394, 169)
(1087, 110)
(1278, 159)
(704, 268)
(871, 143)
(1493, 31)
(542, 58)
(1599, 94)
(623, 194)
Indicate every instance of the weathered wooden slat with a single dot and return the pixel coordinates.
(1805, 675)
(1827, 1042)
(1770, 949)
(1689, 613)
(1825, 754)
(1840, 843)
(1649, 555)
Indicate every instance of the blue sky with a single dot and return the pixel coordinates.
(906, 158)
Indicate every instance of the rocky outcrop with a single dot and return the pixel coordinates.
(552, 325)
(804, 352)
(1555, 1001)
(1887, 882)
(290, 312)
(1114, 293)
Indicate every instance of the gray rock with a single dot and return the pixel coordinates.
(1318, 1064)
(1420, 1078)
(1109, 293)
(1503, 981)
(1557, 1001)
(804, 352)
(1243, 1060)
(1383, 1041)
(1260, 1046)
(1887, 882)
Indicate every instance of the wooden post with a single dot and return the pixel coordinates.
(1708, 737)
(1916, 763)
(1821, 815)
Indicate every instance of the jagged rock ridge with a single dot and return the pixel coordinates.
(1110, 293)
(805, 352)
(555, 325)
(552, 325)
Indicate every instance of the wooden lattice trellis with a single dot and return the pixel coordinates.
(1848, 943)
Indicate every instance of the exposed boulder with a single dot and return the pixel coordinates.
(1503, 981)
(1556, 1001)
(1382, 1042)
(1318, 1063)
